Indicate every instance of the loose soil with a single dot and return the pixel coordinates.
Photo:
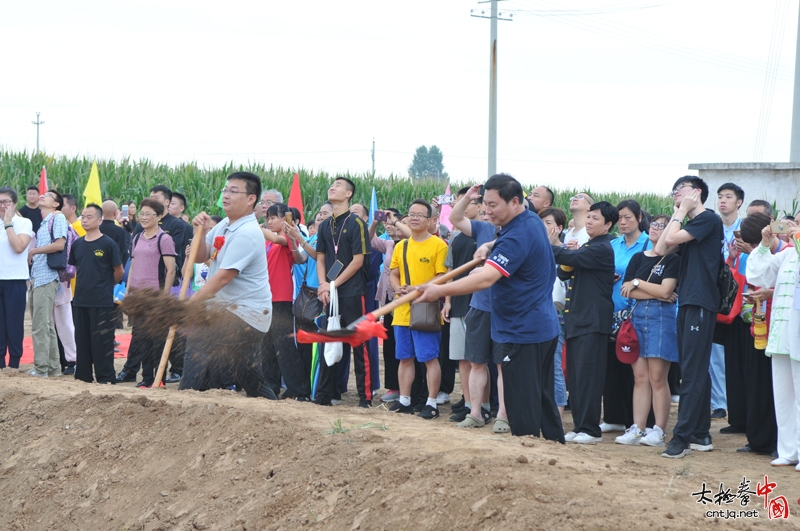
(75, 456)
(78, 456)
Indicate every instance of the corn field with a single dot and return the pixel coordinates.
(127, 179)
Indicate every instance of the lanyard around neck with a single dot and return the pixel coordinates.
(336, 243)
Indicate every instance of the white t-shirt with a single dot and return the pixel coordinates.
(582, 236)
(14, 266)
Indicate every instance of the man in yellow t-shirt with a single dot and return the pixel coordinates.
(424, 258)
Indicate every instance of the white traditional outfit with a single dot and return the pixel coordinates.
(781, 271)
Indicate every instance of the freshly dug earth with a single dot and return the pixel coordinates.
(88, 457)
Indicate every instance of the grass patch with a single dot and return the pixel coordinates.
(338, 427)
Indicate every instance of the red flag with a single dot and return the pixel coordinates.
(296, 198)
(43, 182)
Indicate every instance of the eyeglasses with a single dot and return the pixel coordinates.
(6, 202)
(267, 202)
(681, 187)
(229, 191)
(574, 197)
(475, 202)
(659, 226)
(147, 214)
(418, 216)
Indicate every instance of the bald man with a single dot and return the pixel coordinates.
(110, 228)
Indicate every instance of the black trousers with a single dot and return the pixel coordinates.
(12, 321)
(154, 348)
(529, 389)
(176, 354)
(351, 308)
(390, 362)
(279, 345)
(618, 389)
(586, 376)
(738, 345)
(762, 427)
(674, 378)
(94, 342)
(695, 335)
(448, 366)
(216, 360)
(146, 350)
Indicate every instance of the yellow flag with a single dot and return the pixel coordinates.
(92, 193)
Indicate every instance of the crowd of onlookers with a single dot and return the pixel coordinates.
(605, 267)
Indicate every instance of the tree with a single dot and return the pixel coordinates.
(427, 163)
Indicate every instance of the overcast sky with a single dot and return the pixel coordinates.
(610, 94)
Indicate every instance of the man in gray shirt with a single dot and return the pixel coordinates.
(228, 351)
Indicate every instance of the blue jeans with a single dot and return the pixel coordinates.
(560, 381)
(716, 369)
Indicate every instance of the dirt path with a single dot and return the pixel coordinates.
(77, 456)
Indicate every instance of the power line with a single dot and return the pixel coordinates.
(660, 43)
(37, 123)
(768, 93)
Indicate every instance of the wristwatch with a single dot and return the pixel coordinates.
(6, 227)
(635, 282)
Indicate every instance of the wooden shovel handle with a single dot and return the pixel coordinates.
(408, 297)
(188, 266)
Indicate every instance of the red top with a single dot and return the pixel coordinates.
(279, 265)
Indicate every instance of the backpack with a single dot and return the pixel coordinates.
(162, 269)
(68, 273)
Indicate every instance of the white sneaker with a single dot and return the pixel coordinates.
(570, 436)
(653, 437)
(675, 399)
(336, 402)
(605, 427)
(391, 396)
(632, 436)
(585, 438)
(780, 461)
(442, 398)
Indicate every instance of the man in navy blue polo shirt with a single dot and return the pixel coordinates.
(521, 270)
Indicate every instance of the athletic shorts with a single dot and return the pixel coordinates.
(416, 344)
(478, 343)
(458, 335)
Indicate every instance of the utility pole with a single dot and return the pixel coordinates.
(373, 156)
(794, 152)
(37, 123)
(494, 17)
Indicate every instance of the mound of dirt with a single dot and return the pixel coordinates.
(91, 457)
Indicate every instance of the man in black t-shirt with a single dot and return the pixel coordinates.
(114, 231)
(31, 209)
(699, 242)
(99, 268)
(343, 242)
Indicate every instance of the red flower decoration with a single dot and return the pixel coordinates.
(219, 241)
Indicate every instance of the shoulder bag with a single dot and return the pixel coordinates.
(307, 306)
(425, 316)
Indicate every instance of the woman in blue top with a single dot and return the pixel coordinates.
(618, 390)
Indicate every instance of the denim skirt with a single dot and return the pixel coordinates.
(656, 326)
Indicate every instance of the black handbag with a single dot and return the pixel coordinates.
(307, 306)
(425, 316)
(56, 261)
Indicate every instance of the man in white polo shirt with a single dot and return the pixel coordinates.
(14, 240)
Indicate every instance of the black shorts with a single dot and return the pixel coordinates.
(478, 344)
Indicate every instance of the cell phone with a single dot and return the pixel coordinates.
(445, 199)
(483, 193)
(288, 218)
(380, 215)
(335, 269)
(779, 227)
(124, 211)
(737, 234)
